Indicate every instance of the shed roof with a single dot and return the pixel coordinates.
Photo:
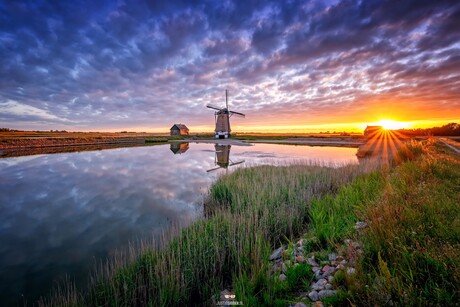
(373, 127)
(179, 126)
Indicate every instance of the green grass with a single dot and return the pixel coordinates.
(413, 243)
(411, 246)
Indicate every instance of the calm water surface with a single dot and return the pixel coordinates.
(61, 213)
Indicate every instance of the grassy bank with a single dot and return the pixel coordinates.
(252, 211)
(412, 247)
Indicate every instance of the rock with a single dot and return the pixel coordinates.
(282, 277)
(318, 304)
(319, 285)
(340, 267)
(328, 286)
(326, 293)
(315, 269)
(330, 279)
(328, 271)
(351, 271)
(300, 304)
(318, 275)
(277, 266)
(300, 249)
(300, 259)
(326, 268)
(360, 225)
(311, 261)
(276, 254)
(343, 262)
(339, 258)
(313, 295)
(347, 241)
(332, 256)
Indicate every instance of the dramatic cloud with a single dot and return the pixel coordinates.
(144, 65)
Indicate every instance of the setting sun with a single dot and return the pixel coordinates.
(388, 124)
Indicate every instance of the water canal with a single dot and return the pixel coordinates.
(62, 213)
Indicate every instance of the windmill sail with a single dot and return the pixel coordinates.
(237, 113)
(211, 106)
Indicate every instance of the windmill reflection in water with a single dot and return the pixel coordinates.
(222, 158)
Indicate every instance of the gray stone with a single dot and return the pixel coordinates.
(332, 256)
(313, 295)
(343, 262)
(326, 268)
(311, 261)
(282, 277)
(326, 293)
(340, 267)
(300, 304)
(360, 225)
(319, 285)
(328, 271)
(277, 253)
(318, 275)
(330, 278)
(315, 269)
(328, 286)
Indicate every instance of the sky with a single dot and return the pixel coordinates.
(290, 66)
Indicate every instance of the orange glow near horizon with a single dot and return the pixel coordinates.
(384, 143)
(389, 124)
(240, 127)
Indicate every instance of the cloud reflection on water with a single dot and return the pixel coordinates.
(59, 213)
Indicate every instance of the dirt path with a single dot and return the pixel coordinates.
(313, 142)
(454, 148)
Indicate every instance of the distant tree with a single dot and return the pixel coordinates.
(451, 129)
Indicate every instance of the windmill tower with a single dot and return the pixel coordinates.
(222, 119)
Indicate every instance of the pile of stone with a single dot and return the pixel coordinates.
(324, 271)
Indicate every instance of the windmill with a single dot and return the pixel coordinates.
(222, 119)
(222, 158)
